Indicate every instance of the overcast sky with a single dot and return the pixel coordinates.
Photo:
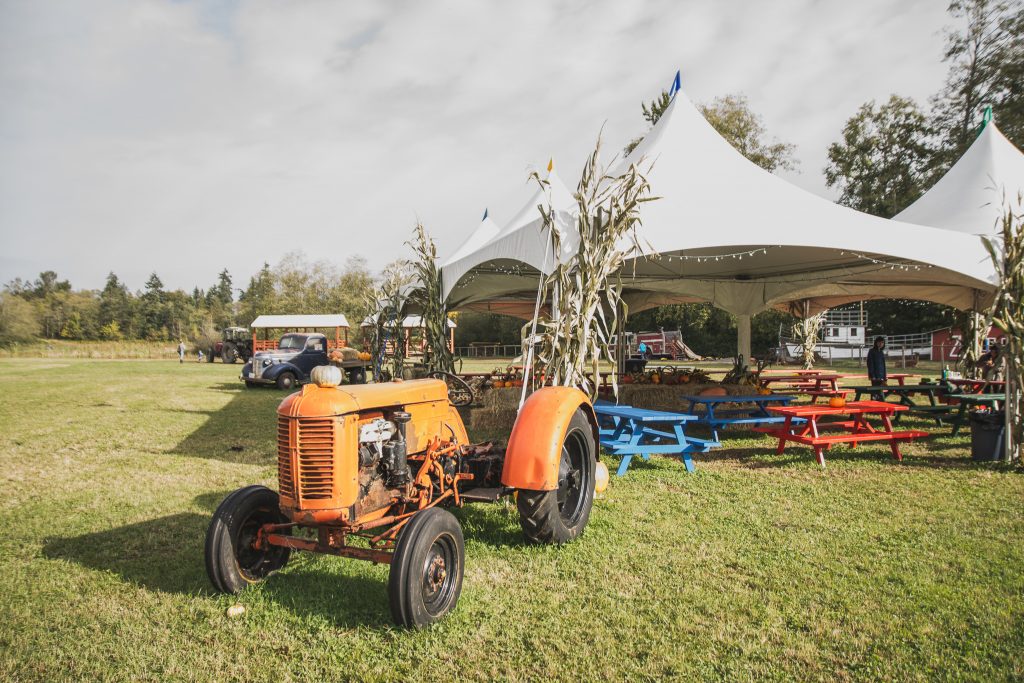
(186, 137)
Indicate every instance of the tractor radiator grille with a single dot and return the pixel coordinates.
(315, 446)
(285, 482)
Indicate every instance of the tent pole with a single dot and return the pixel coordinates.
(743, 336)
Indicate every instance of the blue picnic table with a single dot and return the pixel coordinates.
(627, 431)
(755, 414)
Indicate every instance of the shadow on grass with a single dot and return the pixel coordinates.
(163, 554)
(489, 524)
(240, 432)
(166, 554)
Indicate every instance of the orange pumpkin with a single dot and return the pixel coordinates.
(837, 402)
(714, 391)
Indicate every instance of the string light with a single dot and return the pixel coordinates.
(701, 258)
(891, 264)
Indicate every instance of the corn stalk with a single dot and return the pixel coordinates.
(805, 332)
(972, 330)
(1007, 314)
(437, 356)
(584, 292)
(386, 303)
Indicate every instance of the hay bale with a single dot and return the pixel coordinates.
(497, 411)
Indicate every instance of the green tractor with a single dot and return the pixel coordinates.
(235, 343)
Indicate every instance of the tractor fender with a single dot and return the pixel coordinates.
(535, 446)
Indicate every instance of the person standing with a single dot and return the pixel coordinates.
(876, 367)
(642, 349)
(181, 351)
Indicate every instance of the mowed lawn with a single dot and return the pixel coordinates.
(755, 566)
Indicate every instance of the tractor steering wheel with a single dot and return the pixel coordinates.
(460, 394)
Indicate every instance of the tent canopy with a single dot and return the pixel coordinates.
(523, 241)
(726, 231)
(413, 322)
(286, 321)
(975, 193)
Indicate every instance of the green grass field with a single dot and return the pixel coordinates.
(756, 566)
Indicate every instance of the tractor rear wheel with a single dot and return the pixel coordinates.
(426, 570)
(286, 381)
(560, 515)
(232, 562)
(209, 355)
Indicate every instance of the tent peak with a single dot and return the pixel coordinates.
(676, 84)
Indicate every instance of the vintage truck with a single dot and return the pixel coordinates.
(294, 359)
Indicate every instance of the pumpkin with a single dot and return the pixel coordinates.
(714, 391)
(655, 378)
(837, 402)
(508, 384)
(627, 379)
(326, 375)
(684, 378)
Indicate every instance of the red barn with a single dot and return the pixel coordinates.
(946, 342)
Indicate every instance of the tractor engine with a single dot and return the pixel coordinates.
(345, 453)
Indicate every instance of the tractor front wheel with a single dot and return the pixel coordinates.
(232, 560)
(228, 353)
(426, 570)
(560, 515)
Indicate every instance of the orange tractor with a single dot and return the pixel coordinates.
(366, 471)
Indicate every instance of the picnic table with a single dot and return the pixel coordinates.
(976, 386)
(815, 382)
(754, 414)
(629, 431)
(854, 432)
(990, 400)
(905, 394)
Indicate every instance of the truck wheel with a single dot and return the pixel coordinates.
(252, 385)
(232, 563)
(285, 381)
(559, 516)
(229, 354)
(426, 570)
(357, 376)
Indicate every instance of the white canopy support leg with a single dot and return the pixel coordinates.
(743, 337)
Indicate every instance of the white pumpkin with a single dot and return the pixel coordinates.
(326, 375)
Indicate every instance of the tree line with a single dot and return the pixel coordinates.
(50, 308)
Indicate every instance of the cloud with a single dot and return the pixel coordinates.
(185, 137)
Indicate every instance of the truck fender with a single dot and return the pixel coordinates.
(535, 446)
(277, 368)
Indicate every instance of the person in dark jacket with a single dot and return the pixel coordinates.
(876, 367)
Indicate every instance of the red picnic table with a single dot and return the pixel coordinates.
(854, 431)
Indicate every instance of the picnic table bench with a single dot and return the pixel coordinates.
(905, 393)
(826, 393)
(965, 385)
(815, 382)
(856, 431)
(627, 431)
(754, 414)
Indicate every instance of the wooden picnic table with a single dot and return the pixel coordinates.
(856, 431)
(991, 400)
(629, 431)
(905, 394)
(755, 414)
(812, 382)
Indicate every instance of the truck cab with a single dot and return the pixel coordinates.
(289, 364)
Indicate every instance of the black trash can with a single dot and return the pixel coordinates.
(987, 435)
(635, 365)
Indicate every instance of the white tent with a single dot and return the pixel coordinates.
(733, 234)
(481, 235)
(975, 192)
(728, 232)
(523, 241)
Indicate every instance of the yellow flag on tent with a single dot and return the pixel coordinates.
(551, 164)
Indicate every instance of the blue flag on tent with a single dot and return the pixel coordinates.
(485, 215)
(676, 86)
